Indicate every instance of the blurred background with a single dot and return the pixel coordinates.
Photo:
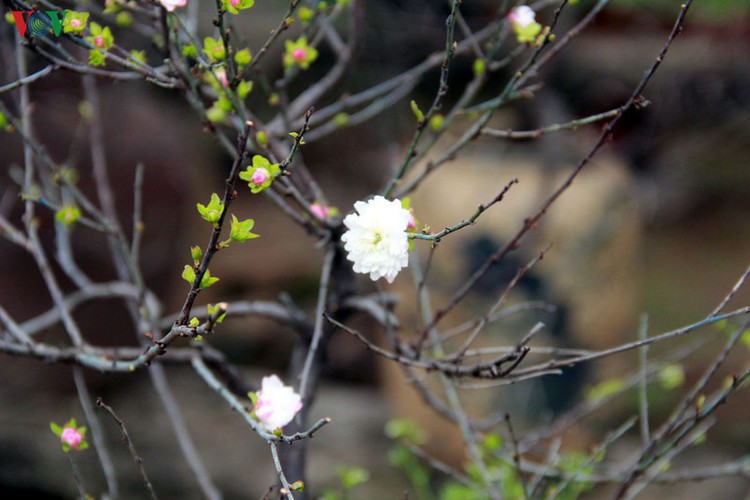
(657, 224)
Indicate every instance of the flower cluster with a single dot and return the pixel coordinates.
(323, 211)
(261, 174)
(376, 240)
(70, 435)
(235, 6)
(523, 19)
(299, 54)
(276, 404)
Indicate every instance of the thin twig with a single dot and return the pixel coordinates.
(643, 383)
(325, 276)
(97, 434)
(131, 447)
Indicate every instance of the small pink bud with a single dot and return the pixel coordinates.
(99, 41)
(71, 437)
(75, 24)
(320, 210)
(221, 74)
(260, 176)
(235, 3)
(411, 224)
(299, 55)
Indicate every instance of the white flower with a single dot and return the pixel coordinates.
(377, 241)
(522, 16)
(277, 403)
(171, 5)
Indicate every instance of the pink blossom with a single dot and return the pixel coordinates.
(412, 224)
(321, 210)
(221, 75)
(260, 176)
(299, 55)
(235, 3)
(522, 16)
(75, 24)
(71, 437)
(99, 41)
(277, 403)
(171, 5)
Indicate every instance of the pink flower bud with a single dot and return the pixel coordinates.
(99, 41)
(221, 75)
(75, 24)
(320, 210)
(260, 176)
(411, 224)
(299, 55)
(235, 3)
(71, 437)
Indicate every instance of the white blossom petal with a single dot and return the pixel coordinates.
(277, 403)
(171, 5)
(376, 240)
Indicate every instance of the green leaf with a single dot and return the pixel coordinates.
(240, 231)
(253, 398)
(211, 212)
(215, 114)
(213, 309)
(745, 339)
(671, 376)
(244, 88)
(194, 322)
(68, 215)
(197, 254)
(305, 14)
(243, 57)
(124, 19)
(138, 55)
(352, 476)
(189, 51)
(604, 389)
(492, 442)
(297, 486)
(188, 274)
(479, 67)
(55, 428)
(528, 34)
(417, 112)
(208, 280)
(457, 491)
(214, 49)
(96, 58)
(405, 430)
(238, 6)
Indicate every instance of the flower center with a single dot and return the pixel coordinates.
(260, 176)
(299, 55)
